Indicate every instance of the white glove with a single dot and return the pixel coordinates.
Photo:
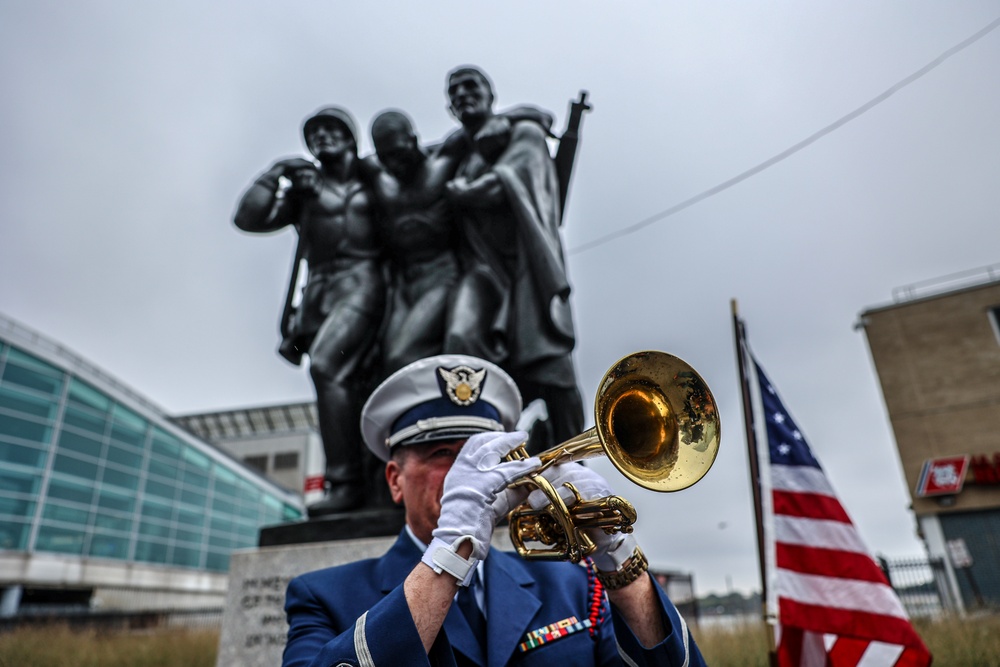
(612, 550)
(476, 479)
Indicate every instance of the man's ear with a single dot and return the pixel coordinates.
(394, 478)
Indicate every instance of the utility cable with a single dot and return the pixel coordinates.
(788, 152)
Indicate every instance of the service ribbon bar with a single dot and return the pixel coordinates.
(552, 632)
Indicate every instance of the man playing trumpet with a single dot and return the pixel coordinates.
(441, 595)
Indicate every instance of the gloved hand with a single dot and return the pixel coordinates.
(477, 479)
(612, 550)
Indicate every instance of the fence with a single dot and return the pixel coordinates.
(921, 584)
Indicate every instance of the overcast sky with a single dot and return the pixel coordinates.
(129, 130)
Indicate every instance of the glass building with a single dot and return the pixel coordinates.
(92, 472)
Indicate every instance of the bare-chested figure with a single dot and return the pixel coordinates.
(420, 231)
(420, 239)
(344, 297)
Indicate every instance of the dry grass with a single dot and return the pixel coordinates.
(954, 642)
(58, 645)
(969, 642)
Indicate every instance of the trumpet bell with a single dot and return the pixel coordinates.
(657, 420)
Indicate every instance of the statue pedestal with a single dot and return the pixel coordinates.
(253, 625)
(347, 525)
(254, 629)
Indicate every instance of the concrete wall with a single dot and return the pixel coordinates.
(938, 361)
(116, 585)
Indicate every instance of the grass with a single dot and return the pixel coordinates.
(954, 642)
(970, 642)
(54, 646)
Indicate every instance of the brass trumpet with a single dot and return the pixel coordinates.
(656, 421)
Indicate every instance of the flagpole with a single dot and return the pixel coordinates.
(751, 436)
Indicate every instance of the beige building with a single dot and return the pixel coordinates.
(936, 351)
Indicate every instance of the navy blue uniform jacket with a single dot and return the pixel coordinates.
(356, 614)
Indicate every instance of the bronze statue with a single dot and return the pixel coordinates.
(419, 229)
(420, 238)
(511, 305)
(417, 251)
(344, 297)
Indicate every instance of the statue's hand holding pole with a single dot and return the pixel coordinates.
(483, 192)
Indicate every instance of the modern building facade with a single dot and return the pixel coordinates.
(101, 492)
(936, 351)
(280, 441)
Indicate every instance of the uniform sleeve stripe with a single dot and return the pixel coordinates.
(624, 656)
(361, 643)
(685, 640)
(687, 644)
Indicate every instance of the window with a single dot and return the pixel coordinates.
(26, 371)
(70, 465)
(83, 394)
(24, 402)
(71, 491)
(120, 478)
(85, 420)
(151, 551)
(22, 454)
(115, 501)
(26, 429)
(61, 540)
(19, 507)
(286, 461)
(72, 441)
(13, 534)
(127, 426)
(65, 513)
(994, 315)
(166, 445)
(109, 545)
(124, 457)
(259, 463)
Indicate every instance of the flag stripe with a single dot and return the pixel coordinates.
(809, 506)
(800, 479)
(828, 562)
(849, 651)
(818, 533)
(913, 656)
(880, 654)
(814, 589)
(847, 622)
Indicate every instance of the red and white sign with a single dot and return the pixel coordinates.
(942, 476)
(313, 483)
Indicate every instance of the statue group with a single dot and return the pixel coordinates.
(416, 251)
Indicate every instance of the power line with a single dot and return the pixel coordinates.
(788, 152)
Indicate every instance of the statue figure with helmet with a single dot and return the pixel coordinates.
(343, 301)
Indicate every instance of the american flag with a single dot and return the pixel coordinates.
(834, 605)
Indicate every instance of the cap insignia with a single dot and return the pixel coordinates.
(462, 384)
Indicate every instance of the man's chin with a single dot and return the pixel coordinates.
(471, 116)
(330, 154)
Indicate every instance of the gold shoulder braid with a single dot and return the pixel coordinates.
(633, 568)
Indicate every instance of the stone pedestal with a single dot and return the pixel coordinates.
(253, 625)
(360, 523)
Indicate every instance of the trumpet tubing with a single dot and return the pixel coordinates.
(657, 422)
